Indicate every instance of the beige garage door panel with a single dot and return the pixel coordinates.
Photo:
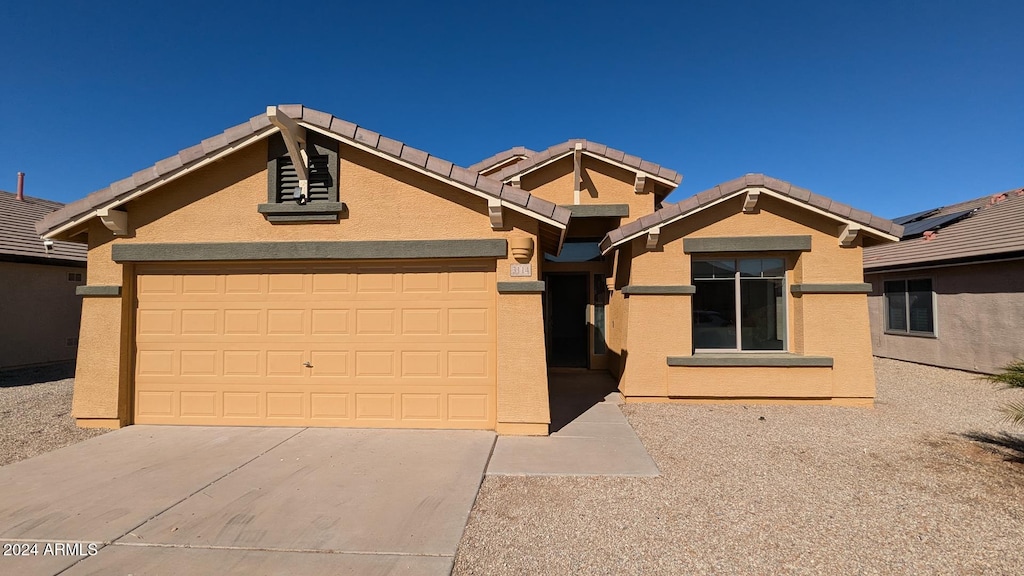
(404, 345)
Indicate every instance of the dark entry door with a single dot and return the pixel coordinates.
(567, 320)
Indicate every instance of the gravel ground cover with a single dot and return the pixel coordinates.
(35, 414)
(928, 482)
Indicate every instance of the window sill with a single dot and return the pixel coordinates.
(750, 359)
(911, 334)
(313, 212)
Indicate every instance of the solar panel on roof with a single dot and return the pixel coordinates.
(915, 216)
(921, 226)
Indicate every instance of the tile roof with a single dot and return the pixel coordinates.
(18, 237)
(671, 211)
(995, 227)
(344, 130)
(594, 148)
(500, 157)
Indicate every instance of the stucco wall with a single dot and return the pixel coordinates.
(602, 184)
(978, 311)
(832, 325)
(39, 312)
(218, 203)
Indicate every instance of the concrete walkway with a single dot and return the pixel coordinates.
(199, 500)
(590, 436)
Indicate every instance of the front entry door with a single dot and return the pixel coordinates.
(567, 320)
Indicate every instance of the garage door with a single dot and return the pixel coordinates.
(406, 345)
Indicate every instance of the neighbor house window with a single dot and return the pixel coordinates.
(739, 304)
(908, 307)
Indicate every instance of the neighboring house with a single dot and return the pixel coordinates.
(372, 284)
(951, 292)
(39, 311)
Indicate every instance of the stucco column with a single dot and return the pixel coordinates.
(522, 366)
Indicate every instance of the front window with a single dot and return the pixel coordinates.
(908, 307)
(739, 304)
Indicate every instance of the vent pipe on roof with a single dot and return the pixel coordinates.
(21, 186)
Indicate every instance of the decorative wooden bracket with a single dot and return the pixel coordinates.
(848, 234)
(115, 220)
(750, 203)
(577, 172)
(640, 184)
(495, 212)
(295, 140)
(516, 182)
(653, 235)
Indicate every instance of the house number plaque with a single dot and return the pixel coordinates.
(521, 270)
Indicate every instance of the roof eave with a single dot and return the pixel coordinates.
(607, 245)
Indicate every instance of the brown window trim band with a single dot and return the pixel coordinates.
(598, 210)
(633, 289)
(853, 288)
(747, 244)
(520, 287)
(343, 250)
(750, 360)
(96, 290)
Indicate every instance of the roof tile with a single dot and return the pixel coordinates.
(144, 176)
(840, 209)
(237, 132)
(801, 194)
(860, 216)
(615, 235)
(630, 160)
(880, 223)
(214, 143)
(562, 214)
(668, 174)
(118, 188)
(517, 196)
(596, 148)
(393, 147)
(317, 118)
(291, 110)
(819, 201)
(688, 204)
(440, 166)
(648, 220)
(671, 210)
(343, 128)
(368, 137)
(414, 156)
(649, 167)
(630, 228)
(467, 177)
(754, 179)
(780, 186)
(541, 206)
(191, 154)
(259, 122)
(613, 154)
(709, 195)
(168, 165)
(734, 185)
(489, 185)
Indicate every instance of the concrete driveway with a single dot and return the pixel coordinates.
(183, 500)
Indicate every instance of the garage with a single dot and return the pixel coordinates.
(396, 344)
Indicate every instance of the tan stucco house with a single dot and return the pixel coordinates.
(300, 270)
(951, 292)
(39, 311)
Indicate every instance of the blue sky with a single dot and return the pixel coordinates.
(892, 107)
